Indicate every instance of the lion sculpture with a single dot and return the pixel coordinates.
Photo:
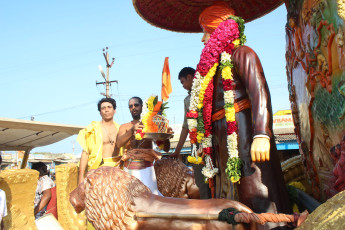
(175, 179)
(112, 197)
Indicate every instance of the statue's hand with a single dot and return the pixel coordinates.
(260, 149)
(175, 155)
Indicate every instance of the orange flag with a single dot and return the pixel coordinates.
(166, 83)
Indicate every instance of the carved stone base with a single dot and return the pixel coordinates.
(66, 182)
(20, 187)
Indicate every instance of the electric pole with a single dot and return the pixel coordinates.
(73, 142)
(107, 83)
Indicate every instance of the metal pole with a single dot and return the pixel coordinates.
(107, 81)
(25, 158)
(177, 216)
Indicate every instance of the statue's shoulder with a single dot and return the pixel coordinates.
(243, 49)
(243, 53)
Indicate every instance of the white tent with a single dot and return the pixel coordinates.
(23, 135)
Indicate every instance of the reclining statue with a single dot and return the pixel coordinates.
(113, 199)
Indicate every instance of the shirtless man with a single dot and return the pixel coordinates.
(98, 140)
(126, 136)
(142, 169)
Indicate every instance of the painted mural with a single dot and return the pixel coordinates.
(315, 66)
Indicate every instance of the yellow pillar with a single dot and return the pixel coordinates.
(66, 182)
(20, 187)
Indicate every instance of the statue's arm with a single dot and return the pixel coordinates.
(181, 141)
(248, 66)
(166, 145)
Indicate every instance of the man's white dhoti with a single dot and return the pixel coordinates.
(147, 176)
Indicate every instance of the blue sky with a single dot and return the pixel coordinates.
(50, 52)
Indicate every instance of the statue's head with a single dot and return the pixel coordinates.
(108, 196)
(212, 16)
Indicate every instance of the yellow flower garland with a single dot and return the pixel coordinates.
(237, 42)
(230, 114)
(226, 73)
(205, 83)
(194, 160)
(150, 103)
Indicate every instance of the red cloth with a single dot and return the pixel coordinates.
(52, 205)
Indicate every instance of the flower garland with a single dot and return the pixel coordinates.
(149, 126)
(228, 35)
(234, 163)
(147, 111)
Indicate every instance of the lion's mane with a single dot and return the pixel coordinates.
(172, 176)
(109, 197)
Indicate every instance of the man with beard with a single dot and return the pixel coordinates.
(126, 136)
(138, 167)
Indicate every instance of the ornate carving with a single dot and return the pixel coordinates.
(340, 41)
(341, 8)
(309, 23)
(329, 215)
(294, 111)
(66, 182)
(20, 187)
(293, 169)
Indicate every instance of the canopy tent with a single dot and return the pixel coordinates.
(183, 15)
(23, 135)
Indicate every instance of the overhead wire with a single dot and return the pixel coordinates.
(69, 56)
(60, 110)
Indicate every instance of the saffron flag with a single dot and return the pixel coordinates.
(166, 83)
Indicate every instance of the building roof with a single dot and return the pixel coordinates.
(18, 134)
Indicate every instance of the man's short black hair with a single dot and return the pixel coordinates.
(138, 98)
(185, 71)
(107, 99)
(41, 168)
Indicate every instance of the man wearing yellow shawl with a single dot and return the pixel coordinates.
(98, 140)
